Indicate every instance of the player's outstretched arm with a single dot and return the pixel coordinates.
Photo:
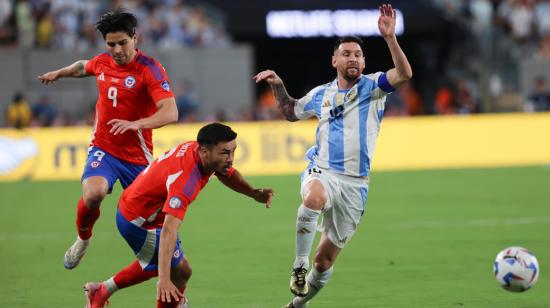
(285, 102)
(167, 113)
(402, 70)
(237, 182)
(76, 70)
(166, 290)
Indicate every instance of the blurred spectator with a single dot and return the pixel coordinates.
(25, 23)
(43, 113)
(267, 107)
(543, 50)
(69, 24)
(186, 102)
(542, 17)
(539, 99)
(6, 22)
(444, 100)
(18, 113)
(412, 100)
(465, 102)
(521, 20)
(45, 31)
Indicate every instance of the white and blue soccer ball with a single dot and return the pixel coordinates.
(516, 269)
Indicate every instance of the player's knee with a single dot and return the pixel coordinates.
(181, 274)
(93, 196)
(315, 201)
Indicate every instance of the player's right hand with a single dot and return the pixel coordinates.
(269, 76)
(166, 290)
(49, 77)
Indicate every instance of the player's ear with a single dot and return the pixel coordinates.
(334, 60)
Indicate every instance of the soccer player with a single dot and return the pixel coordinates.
(134, 97)
(151, 210)
(335, 183)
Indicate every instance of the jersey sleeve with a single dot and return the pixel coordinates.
(158, 84)
(309, 105)
(382, 86)
(182, 189)
(91, 66)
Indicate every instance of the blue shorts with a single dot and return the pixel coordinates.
(101, 163)
(145, 243)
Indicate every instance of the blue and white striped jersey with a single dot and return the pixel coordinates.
(349, 122)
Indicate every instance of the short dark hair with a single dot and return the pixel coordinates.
(349, 39)
(213, 133)
(117, 21)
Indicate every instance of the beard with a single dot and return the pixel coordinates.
(348, 76)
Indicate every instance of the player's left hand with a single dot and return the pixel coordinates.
(121, 126)
(264, 195)
(386, 21)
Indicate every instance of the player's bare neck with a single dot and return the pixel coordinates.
(344, 84)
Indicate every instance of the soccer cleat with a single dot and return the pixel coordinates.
(96, 295)
(289, 305)
(74, 254)
(298, 284)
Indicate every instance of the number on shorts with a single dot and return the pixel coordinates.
(99, 155)
(111, 94)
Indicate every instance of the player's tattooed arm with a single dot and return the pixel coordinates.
(285, 102)
(77, 70)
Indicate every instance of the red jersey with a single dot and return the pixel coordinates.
(128, 92)
(168, 185)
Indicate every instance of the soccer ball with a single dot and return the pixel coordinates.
(516, 269)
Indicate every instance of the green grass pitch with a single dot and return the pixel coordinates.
(428, 239)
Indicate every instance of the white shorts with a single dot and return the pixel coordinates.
(347, 197)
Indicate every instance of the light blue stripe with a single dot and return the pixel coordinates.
(318, 102)
(380, 115)
(336, 142)
(364, 89)
(364, 193)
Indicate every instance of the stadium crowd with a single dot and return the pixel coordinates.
(490, 38)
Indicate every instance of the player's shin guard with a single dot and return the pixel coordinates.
(85, 219)
(306, 225)
(316, 281)
(131, 275)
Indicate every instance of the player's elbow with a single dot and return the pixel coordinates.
(408, 75)
(173, 117)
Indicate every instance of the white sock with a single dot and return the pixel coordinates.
(306, 225)
(315, 281)
(110, 285)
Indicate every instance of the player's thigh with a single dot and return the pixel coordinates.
(315, 189)
(99, 164)
(146, 243)
(342, 218)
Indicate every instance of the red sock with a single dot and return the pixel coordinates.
(170, 305)
(132, 275)
(85, 219)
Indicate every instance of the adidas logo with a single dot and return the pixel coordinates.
(327, 103)
(304, 230)
(101, 77)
